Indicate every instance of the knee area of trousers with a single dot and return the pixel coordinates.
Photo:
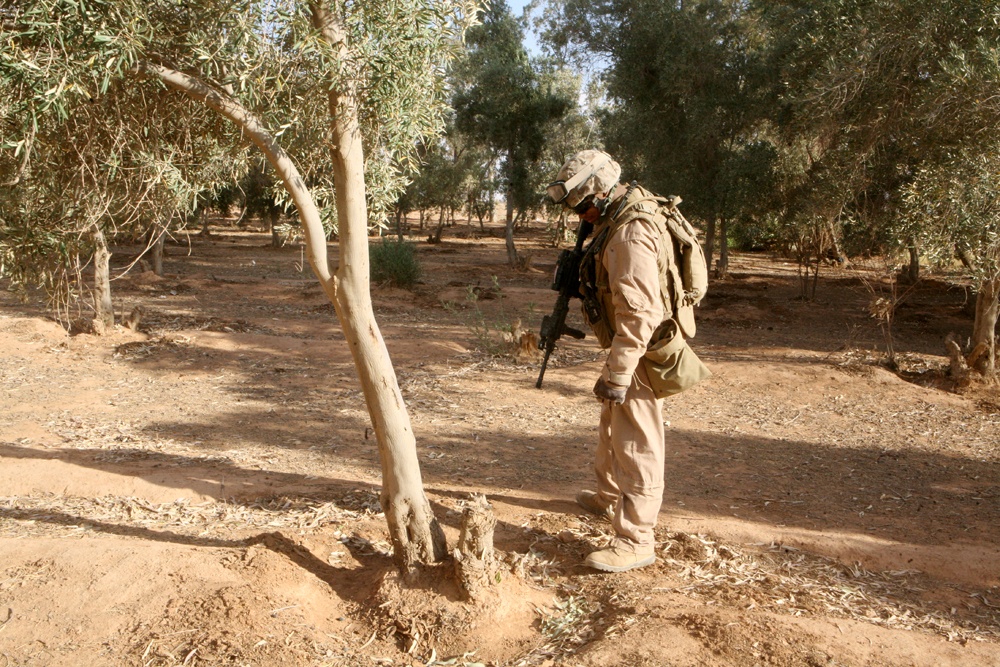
(641, 488)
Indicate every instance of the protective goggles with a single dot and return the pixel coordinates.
(558, 191)
(584, 204)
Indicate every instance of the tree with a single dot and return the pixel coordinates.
(81, 180)
(237, 56)
(683, 83)
(954, 203)
(885, 102)
(565, 136)
(500, 104)
(445, 178)
(852, 82)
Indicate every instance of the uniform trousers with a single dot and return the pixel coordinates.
(629, 462)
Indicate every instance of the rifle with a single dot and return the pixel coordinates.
(567, 283)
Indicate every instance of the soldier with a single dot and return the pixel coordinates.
(626, 303)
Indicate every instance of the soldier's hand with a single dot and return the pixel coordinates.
(609, 392)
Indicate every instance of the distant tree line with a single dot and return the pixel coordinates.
(823, 129)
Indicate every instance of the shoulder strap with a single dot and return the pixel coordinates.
(632, 204)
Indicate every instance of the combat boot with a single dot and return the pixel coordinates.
(618, 559)
(590, 501)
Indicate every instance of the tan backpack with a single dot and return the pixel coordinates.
(681, 261)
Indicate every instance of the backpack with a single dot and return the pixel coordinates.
(681, 262)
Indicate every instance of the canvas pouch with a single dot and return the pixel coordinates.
(672, 365)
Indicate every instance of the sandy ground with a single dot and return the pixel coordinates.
(203, 491)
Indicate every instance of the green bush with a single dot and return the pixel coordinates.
(753, 234)
(394, 262)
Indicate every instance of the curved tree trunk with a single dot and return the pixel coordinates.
(416, 536)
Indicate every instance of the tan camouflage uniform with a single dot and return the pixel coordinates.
(630, 453)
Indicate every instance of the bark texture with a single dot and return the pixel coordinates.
(722, 268)
(958, 368)
(913, 269)
(104, 312)
(512, 257)
(158, 237)
(476, 562)
(985, 326)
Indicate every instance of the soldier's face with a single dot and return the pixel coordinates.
(591, 214)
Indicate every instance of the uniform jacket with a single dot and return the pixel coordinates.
(624, 276)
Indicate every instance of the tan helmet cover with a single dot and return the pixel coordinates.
(603, 175)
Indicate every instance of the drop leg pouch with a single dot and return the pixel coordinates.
(673, 366)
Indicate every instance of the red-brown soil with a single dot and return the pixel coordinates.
(204, 491)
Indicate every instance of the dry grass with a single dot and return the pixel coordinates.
(781, 579)
(68, 516)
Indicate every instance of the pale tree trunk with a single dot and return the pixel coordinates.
(203, 218)
(273, 218)
(104, 312)
(509, 232)
(415, 533)
(985, 326)
(710, 239)
(157, 237)
(416, 536)
(835, 248)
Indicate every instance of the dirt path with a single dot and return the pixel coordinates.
(203, 491)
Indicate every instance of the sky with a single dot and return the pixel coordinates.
(530, 38)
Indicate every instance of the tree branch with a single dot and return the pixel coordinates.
(25, 160)
(315, 236)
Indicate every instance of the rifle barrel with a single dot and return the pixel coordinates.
(545, 362)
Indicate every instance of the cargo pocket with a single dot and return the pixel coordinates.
(631, 295)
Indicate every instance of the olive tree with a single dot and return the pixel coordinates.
(350, 85)
(682, 84)
(501, 105)
(954, 203)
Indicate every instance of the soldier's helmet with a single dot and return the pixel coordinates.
(587, 173)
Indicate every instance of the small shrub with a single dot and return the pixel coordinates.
(497, 336)
(394, 262)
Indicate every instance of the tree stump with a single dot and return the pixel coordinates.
(133, 319)
(476, 562)
(959, 369)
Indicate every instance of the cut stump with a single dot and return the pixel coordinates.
(476, 561)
